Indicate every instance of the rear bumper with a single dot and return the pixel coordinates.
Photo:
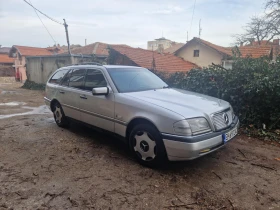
(188, 148)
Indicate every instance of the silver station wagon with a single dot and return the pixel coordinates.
(158, 122)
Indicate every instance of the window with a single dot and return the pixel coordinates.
(94, 78)
(196, 53)
(65, 80)
(77, 78)
(135, 79)
(56, 79)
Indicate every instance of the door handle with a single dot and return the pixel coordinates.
(83, 97)
(61, 91)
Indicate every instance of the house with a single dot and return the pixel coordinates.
(204, 53)
(174, 48)
(161, 43)
(19, 53)
(153, 60)
(6, 63)
(98, 50)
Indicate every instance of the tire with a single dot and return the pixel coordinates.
(59, 116)
(145, 142)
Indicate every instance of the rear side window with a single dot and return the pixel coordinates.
(65, 80)
(77, 78)
(94, 78)
(57, 77)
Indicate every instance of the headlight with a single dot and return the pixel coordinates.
(182, 127)
(192, 126)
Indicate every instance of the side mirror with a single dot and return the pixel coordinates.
(100, 91)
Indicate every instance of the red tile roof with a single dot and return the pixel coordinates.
(31, 51)
(220, 49)
(163, 62)
(248, 50)
(4, 58)
(255, 51)
(97, 48)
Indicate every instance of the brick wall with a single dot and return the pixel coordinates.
(7, 71)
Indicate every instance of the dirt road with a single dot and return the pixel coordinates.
(45, 167)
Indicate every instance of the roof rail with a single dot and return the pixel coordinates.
(88, 63)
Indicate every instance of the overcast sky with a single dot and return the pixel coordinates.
(131, 22)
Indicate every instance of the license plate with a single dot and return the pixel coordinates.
(229, 135)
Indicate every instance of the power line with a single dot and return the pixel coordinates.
(192, 15)
(42, 13)
(44, 25)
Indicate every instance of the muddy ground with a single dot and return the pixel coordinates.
(45, 167)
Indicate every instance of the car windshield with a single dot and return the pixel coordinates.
(135, 79)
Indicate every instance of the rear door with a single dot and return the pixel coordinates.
(97, 110)
(70, 90)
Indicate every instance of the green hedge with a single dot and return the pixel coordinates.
(252, 87)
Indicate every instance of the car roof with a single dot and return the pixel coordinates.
(106, 66)
(120, 66)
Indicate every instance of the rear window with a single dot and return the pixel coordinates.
(57, 77)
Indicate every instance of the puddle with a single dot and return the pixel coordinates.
(34, 110)
(50, 120)
(14, 103)
(8, 92)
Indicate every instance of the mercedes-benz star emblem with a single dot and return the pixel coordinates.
(226, 119)
(144, 146)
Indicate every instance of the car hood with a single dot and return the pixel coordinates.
(186, 103)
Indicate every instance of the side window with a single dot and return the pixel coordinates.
(77, 78)
(57, 77)
(94, 78)
(196, 53)
(66, 79)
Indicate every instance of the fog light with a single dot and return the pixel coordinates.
(204, 150)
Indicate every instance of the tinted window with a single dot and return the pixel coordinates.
(135, 79)
(94, 78)
(57, 77)
(66, 79)
(77, 78)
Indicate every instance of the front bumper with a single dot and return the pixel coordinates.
(188, 148)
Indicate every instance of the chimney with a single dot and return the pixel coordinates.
(276, 42)
(160, 48)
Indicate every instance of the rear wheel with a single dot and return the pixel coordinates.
(59, 115)
(146, 144)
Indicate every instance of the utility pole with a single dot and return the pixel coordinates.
(67, 36)
(187, 36)
(85, 42)
(200, 29)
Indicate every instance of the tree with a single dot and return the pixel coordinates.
(262, 28)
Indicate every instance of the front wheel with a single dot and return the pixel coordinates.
(59, 116)
(146, 144)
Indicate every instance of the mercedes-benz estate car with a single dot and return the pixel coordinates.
(158, 122)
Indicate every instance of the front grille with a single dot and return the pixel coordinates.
(219, 121)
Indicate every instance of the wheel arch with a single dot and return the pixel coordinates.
(136, 121)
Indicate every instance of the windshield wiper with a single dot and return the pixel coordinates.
(164, 87)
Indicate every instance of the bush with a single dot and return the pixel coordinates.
(252, 87)
(33, 86)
